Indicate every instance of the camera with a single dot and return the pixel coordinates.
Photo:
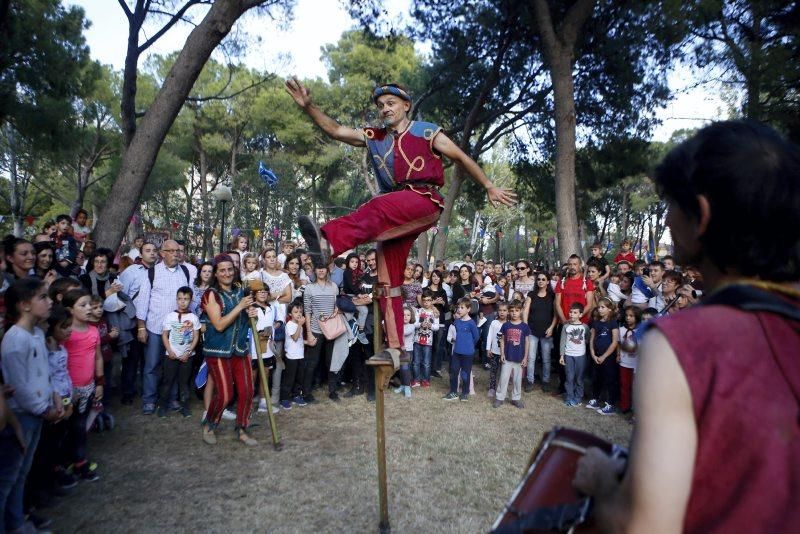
(646, 271)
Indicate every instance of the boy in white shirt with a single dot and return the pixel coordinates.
(264, 325)
(493, 346)
(180, 334)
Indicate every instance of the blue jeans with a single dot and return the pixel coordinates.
(153, 354)
(460, 364)
(14, 467)
(576, 365)
(422, 358)
(547, 348)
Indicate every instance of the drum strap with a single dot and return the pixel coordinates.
(561, 518)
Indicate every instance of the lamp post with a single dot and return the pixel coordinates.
(223, 195)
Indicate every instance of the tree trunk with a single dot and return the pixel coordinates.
(753, 105)
(208, 240)
(558, 44)
(626, 217)
(456, 180)
(141, 153)
(422, 249)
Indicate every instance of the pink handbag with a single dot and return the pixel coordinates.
(333, 325)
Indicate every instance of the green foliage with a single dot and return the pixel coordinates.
(44, 64)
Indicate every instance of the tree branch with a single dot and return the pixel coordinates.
(170, 23)
(126, 9)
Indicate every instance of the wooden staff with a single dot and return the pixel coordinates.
(263, 372)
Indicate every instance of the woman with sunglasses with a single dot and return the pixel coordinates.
(539, 312)
(525, 282)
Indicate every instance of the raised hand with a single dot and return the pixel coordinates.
(299, 92)
(501, 195)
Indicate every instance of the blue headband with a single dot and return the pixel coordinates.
(389, 90)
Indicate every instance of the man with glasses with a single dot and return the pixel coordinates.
(156, 299)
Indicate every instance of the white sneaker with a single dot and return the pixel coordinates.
(275, 409)
(592, 404)
(262, 405)
(228, 415)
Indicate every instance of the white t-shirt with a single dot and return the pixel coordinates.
(626, 359)
(266, 319)
(576, 339)
(492, 344)
(181, 328)
(293, 349)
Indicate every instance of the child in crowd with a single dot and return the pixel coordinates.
(292, 379)
(409, 329)
(85, 366)
(493, 346)
(352, 286)
(625, 253)
(250, 267)
(59, 330)
(427, 322)
(467, 337)
(25, 368)
(626, 358)
(60, 287)
(180, 334)
(573, 354)
(264, 325)
(514, 355)
(107, 336)
(604, 339)
(81, 230)
(66, 247)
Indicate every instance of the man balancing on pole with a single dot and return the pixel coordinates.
(406, 157)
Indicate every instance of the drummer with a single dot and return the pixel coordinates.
(716, 442)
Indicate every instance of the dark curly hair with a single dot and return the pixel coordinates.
(751, 178)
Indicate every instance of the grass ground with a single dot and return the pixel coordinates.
(451, 467)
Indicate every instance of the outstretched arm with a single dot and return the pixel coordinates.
(302, 96)
(446, 146)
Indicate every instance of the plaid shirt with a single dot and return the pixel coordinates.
(153, 304)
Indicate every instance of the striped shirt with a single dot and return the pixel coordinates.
(319, 300)
(154, 304)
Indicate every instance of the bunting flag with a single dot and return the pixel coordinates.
(29, 220)
(435, 230)
(483, 232)
(256, 233)
(175, 225)
(535, 239)
(276, 232)
(235, 232)
(2, 218)
(446, 230)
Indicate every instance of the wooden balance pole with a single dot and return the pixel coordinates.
(263, 373)
(384, 369)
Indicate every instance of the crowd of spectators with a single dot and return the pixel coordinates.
(86, 330)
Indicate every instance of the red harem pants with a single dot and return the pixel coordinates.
(393, 220)
(625, 388)
(227, 374)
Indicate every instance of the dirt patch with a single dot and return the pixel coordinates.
(451, 467)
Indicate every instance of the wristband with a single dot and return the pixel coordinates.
(99, 380)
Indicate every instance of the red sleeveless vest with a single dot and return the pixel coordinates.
(747, 469)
